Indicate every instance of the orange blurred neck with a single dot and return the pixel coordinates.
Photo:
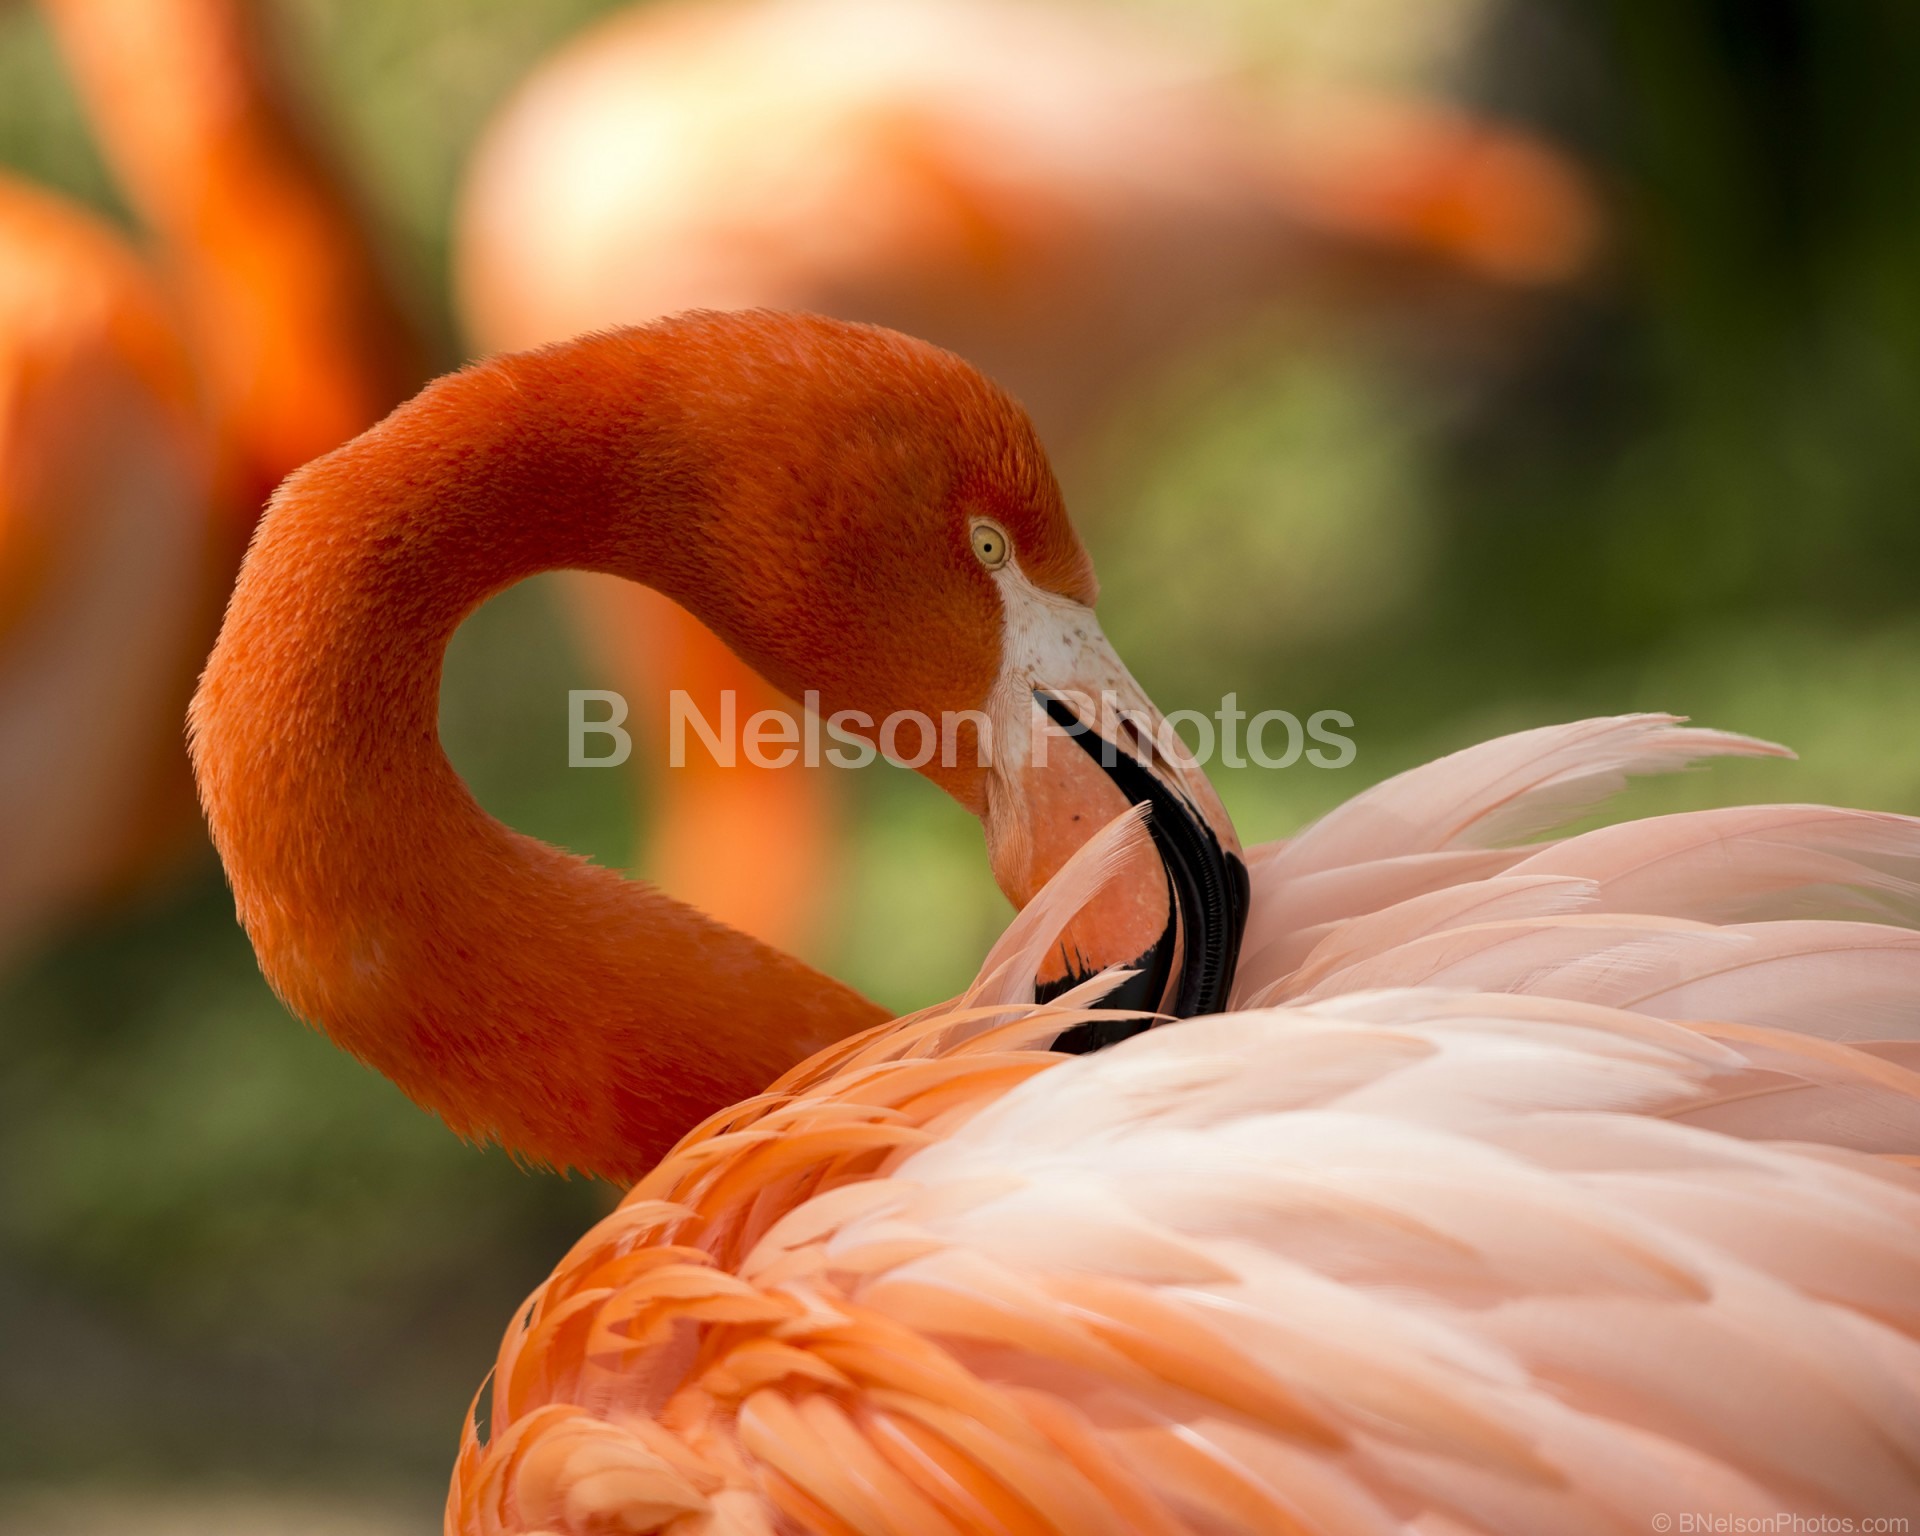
(524, 994)
(299, 333)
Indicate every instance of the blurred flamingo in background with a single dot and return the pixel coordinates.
(1062, 198)
(110, 562)
(1530, 1188)
(294, 319)
(149, 413)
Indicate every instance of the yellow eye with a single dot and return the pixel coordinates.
(991, 544)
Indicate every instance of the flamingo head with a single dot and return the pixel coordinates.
(909, 560)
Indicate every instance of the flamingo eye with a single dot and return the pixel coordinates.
(990, 544)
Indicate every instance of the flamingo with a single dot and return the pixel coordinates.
(1503, 1185)
(151, 407)
(296, 326)
(1064, 199)
(108, 565)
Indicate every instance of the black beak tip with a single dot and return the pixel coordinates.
(1209, 890)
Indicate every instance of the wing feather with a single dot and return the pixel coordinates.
(1542, 1188)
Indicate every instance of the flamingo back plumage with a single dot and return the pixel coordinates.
(1447, 1258)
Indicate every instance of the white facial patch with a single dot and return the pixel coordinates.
(1054, 643)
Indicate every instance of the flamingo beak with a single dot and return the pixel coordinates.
(1175, 915)
(1189, 970)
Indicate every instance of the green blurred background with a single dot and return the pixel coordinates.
(233, 1260)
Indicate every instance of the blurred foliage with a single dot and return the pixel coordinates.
(224, 1247)
(42, 134)
(1746, 441)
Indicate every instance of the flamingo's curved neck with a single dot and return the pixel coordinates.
(525, 994)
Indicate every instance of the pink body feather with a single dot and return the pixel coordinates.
(1538, 1190)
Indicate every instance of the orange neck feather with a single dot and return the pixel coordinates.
(526, 995)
